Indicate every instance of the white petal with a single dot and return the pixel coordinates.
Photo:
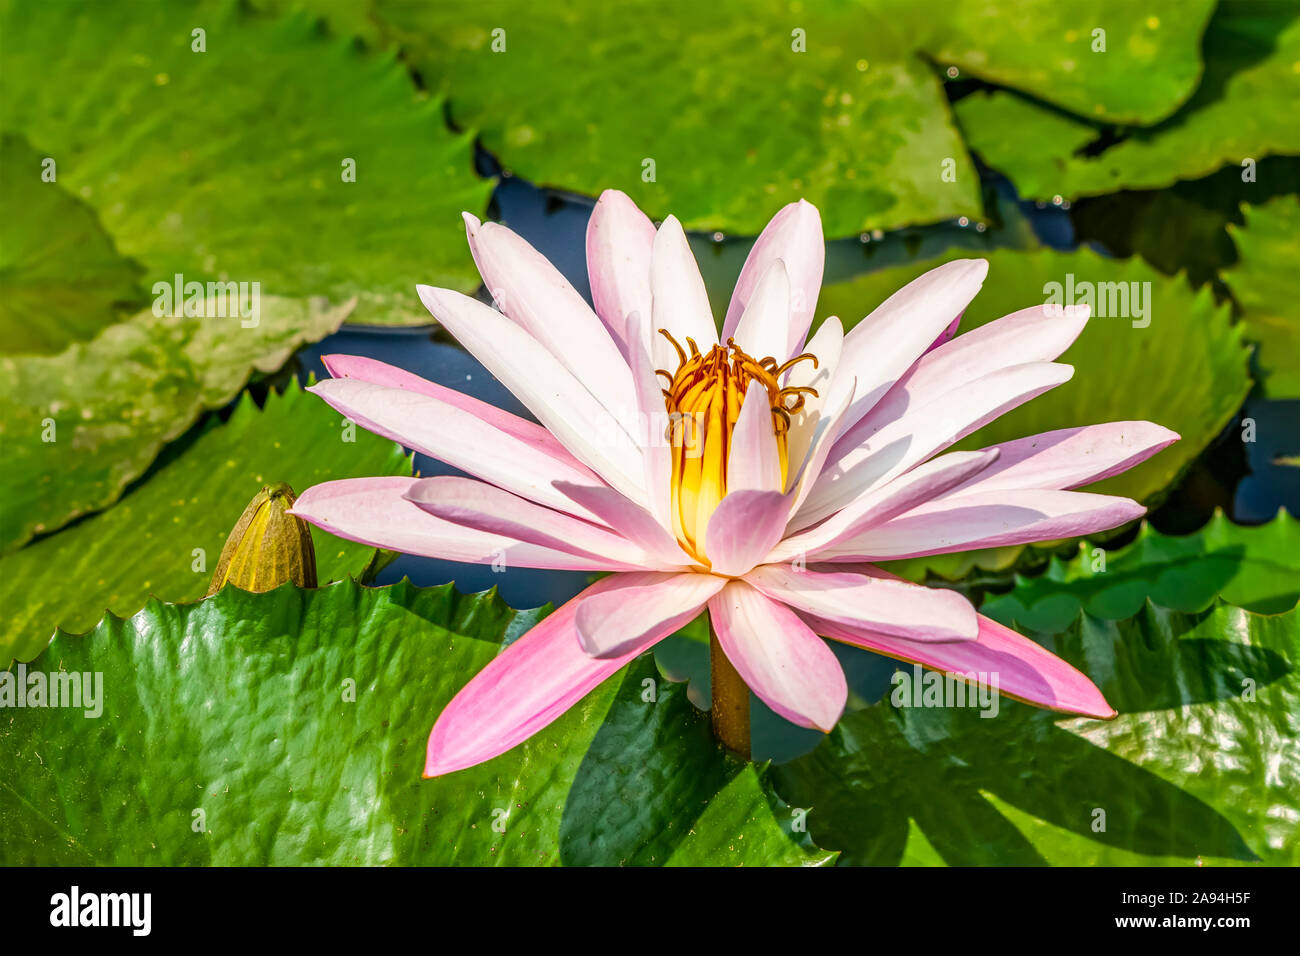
(531, 291)
(765, 326)
(681, 304)
(880, 349)
(594, 434)
(620, 248)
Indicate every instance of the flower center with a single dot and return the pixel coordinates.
(704, 397)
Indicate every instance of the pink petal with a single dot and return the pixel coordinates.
(794, 235)
(893, 607)
(681, 304)
(616, 622)
(527, 288)
(380, 373)
(743, 528)
(630, 520)
(826, 344)
(374, 511)
(779, 657)
(620, 247)
(1024, 670)
(765, 325)
(1031, 335)
(987, 520)
(754, 461)
(528, 685)
(946, 335)
(919, 434)
(652, 424)
(457, 436)
(923, 483)
(1069, 457)
(594, 433)
(883, 346)
(830, 419)
(474, 504)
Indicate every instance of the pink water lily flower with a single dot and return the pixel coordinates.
(756, 475)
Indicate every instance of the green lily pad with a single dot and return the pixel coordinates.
(61, 280)
(164, 537)
(348, 18)
(1243, 109)
(1081, 57)
(232, 162)
(1264, 283)
(1257, 568)
(289, 728)
(78, 426)
(703, 110)
(722, 112)
(1186, 369)
(1201, 766)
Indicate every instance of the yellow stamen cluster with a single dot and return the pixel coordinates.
(704, 398)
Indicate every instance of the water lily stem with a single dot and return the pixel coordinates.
(730, 700)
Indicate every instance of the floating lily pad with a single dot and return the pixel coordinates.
(289, 728)
(164, 537)
(1265, 284)
(1084, 58)
(708, 111)
(227, 154)
(78, 426)
(677, 105)
(1257, 568)
(1201, 766)
(1244, 109)
(61, 280)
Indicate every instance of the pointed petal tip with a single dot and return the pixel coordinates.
(430, 297)
(613, 196)
(472, 223)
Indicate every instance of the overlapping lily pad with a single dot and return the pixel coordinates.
(1081, 57)
(1244, 108)
(289, 728)
(1186, 369)
(163, 538)
(1265, 284)
(1257, 568)
(585, 96)
(1201, 766)
(222, 144)
(80, 425)
(61, 280)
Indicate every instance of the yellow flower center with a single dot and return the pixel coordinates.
(704, 397)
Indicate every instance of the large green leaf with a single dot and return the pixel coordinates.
(1186, 370)
(230, 163)
(1053, 51)
(296, 722)
(1202, 764)
(146, 543)
(78, 426)
(1257, 568)
(1265, 284)
(744, 106)
(1243, 109)
(736, 122)
(61, 280)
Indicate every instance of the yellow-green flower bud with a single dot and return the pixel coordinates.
(268, 546)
